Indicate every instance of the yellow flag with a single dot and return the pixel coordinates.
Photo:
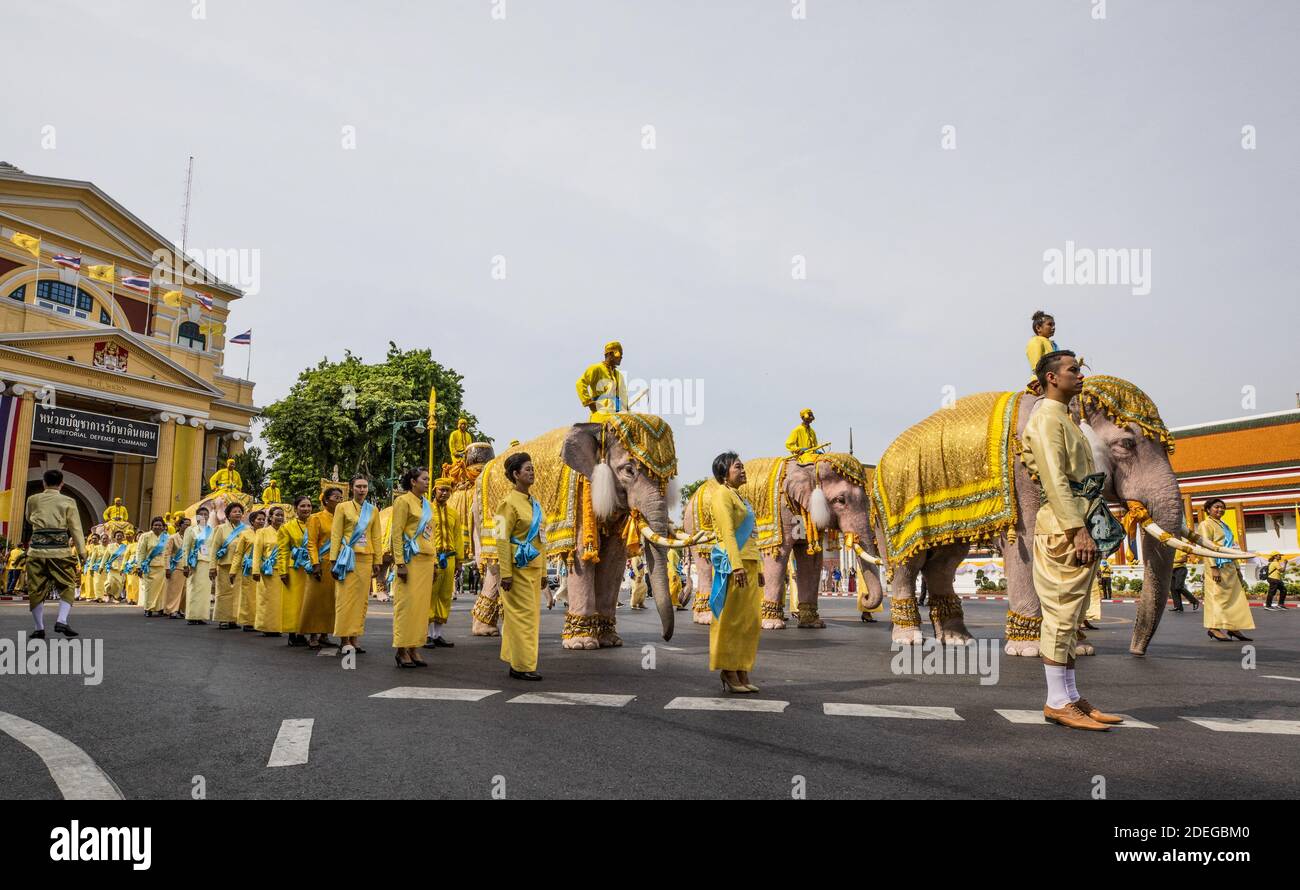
(101, 273)
(215, 329)
(433, 423)
(27, 243)
(174, 298)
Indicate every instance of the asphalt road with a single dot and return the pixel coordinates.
(180, 702)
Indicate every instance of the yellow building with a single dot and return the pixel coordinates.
(101, 375)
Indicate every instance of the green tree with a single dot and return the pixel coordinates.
(252, 470)
(342, 413)
(690, 488)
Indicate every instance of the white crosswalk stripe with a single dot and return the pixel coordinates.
(1275, 677)
(1246, 724)
(572, 698)
(1036, 718)
(688, 703)
(293, 743)
(433, 693)
(914, 712)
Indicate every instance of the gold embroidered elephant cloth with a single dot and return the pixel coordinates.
(950, 477)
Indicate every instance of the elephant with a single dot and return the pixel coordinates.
(604, 489)
(1130, 443)
(828, 491)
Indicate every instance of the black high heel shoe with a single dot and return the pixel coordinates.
(1213, 634)
(403, 664)
(1238, 635)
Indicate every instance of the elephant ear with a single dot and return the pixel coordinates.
(801, 488)
(580, 453)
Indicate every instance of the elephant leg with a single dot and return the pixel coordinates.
(945, 606)
(1024, 612)
(807, 574)
(902, 604)
(486, 614)
(774, 572)
(609, 575)
(700, 612)
(581, 623)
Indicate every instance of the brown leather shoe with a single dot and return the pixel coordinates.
(1100, 716)
(1071, 716)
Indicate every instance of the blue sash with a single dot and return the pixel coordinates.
(225, 545)
(248, 562)
(200, 538)
(154, 553)
(525, 551)
(347, 560)
(411, 545)
(301, 555)
(175, 559)
(1228, 541)
(722, 568)
(268, 563)
(129, 566)
(111, 558)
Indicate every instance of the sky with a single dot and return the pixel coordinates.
(844, 205)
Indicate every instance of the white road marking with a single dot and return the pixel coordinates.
(915, 712)
(672, 648)
(78, 777)
(572, 698)
(433, 693)
(293, 742)
(1275, 677)
(327, 653)
(1036, 718)
(1246, 724)
(688, 703)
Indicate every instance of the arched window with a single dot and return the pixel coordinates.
(19, 293)
(189, 335)
(64, 298)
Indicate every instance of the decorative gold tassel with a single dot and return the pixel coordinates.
(590, 528)
(631, 535)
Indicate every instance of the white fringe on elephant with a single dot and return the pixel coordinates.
(801, 505)
(603, 488)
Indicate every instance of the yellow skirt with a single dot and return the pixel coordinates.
(351, 597)
(733, 636)
(521, 615)
(87, 585)
(198, 593)
(1062, 588)
(174, 591)
(99, 585)
(1224, 605)
(411, 602)
(113, 585)
(152, 589)
(444, 585)
(270, 601)
(132, 583)
(291, 604)
(247, 598)
(227, 595)
(1094, 601)
(317, 616)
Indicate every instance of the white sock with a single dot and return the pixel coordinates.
(1057, 696)
(1069, 684)
(437, 631)
(432, 626)
(38, 615)
(64, 608)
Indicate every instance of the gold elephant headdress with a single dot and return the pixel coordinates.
(1124, 403)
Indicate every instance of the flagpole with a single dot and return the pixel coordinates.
(248, 370)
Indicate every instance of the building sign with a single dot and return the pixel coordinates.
(110, 356)
(100, 432)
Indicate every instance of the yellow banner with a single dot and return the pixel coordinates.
(28, 243)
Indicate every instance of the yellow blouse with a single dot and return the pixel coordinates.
(515, 517)
(369, 544)
(728, 513)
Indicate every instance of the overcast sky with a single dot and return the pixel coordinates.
(774, 138)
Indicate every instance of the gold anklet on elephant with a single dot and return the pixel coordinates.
(943, 607)
(904, 612)
(771, 611)
(487, 609)
(701, 601)
(585, 626)
(808, 615)
(1022, 628)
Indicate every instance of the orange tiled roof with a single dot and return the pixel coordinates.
(1230, 445)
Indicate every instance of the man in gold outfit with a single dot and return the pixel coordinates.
(602, 388)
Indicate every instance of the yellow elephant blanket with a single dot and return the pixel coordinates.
(950, 477)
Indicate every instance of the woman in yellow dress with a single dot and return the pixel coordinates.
(447, 544)
(1227, 611)
(737, 585)
(88, 567)
(294, 568)
(224, 542)
(131, 578)
(242, 568)
(197, 567)
(113, 562)
(358, 550)
(266, 576)
(150, 566)
(174, 585)
(414, 558)
(522, 556)
(317, 618)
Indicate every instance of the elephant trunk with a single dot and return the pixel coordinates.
(1166, 509)
(875, 590)
(649, 500)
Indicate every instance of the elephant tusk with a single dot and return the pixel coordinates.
(865, 556)
(1226, 551)
(660, 541)
(1169, 540)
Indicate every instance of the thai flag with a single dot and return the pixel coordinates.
(244, 339)
(204, 300)
(136, 283)
(68, 262)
